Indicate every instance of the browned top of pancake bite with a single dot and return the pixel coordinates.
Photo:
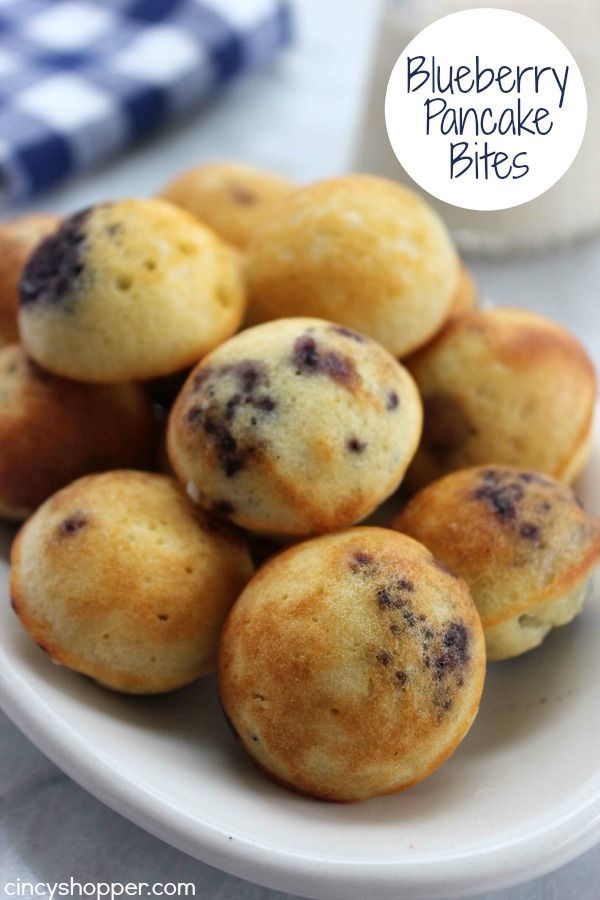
(352, 664)
(519, 539)
(362, 251)
(503, 385)
(120, 577)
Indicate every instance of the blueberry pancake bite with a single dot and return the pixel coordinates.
(352, 665)
(53, 431)
(522, 542)
(295, 427)
(120, 577)
(18, 238)
(229, 197)
(506, 386)
(133, 289)
(362, 251)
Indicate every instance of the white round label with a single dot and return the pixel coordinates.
(486, 109)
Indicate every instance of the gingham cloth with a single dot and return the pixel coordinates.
(80, 79)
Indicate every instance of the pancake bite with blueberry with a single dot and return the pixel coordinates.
(362, 251)
(352, 665)
(522, 542)
(18, 238)
(129, 290)
(121, 578)
(295, 427)
(229, 197)
(505, 386)
(53, 430)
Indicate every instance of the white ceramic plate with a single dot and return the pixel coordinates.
(520, 797)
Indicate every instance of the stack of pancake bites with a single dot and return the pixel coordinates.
(199, 381)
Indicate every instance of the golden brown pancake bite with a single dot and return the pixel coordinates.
(505, 386)
(297, 426)
(352, 665)
(522, 542)
(120, 577)
(53, 431)
(129, 290)
(361, 251)
(18, 238)
(229, 197)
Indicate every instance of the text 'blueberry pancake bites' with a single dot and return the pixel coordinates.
(295, 427)
(231, 198)
(352, 665)
(53, 430)
(362, 251)
(522, 542)
(120, 577)
(129, 290)
(504, 386)
(18, 238)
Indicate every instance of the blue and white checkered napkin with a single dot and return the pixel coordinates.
(80, 79)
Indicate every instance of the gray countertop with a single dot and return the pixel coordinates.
(299, 116)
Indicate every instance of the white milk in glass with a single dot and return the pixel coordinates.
(570, 208)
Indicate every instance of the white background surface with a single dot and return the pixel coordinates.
(300, 117)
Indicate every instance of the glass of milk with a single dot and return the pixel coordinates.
(571, 208)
